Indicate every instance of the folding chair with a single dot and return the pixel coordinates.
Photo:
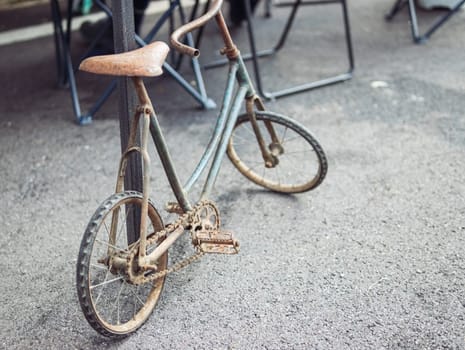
(254, 54)
(417, 37)
(66, 70)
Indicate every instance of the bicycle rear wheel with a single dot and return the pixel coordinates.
(113, 305)
(299, 161)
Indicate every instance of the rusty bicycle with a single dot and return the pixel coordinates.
(123, 257)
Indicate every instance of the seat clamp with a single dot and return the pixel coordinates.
(230, 52)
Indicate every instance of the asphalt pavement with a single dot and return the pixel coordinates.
(371, 259)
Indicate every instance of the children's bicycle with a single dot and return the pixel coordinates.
(123, 258)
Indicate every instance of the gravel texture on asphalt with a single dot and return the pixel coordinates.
(371, 259)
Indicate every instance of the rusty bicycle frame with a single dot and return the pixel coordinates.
(217, 144)
(143, 260)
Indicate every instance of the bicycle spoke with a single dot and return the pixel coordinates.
(242, 144)
(250, 130)
(277, 173)
(117, 303)
(101, 267)
(111, 245)
(106, 282)
(124, 223)
(137, 297)
(107, 230)
(247, 141)
(101, 291)
(290, 140)
(257, 165)
(301, 152)
(116, 306)
(295, 169)
(284, 135)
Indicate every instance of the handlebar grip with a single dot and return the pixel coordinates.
(189, 27)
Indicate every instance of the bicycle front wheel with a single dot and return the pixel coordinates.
(113, 305)
(299, 162)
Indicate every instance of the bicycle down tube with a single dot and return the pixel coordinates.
(230, 107)
(120, 279)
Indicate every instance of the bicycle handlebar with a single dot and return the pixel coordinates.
(188, 27)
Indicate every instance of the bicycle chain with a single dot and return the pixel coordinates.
(186, 219)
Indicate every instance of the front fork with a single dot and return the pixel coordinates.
(271, 151)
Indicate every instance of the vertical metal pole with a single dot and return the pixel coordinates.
(413, 20)
(123, 36)
(350, 53)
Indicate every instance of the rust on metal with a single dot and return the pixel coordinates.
(188, 27)
(216, 241)
(230, 49)
(146, 61)
(269, 159)
(207, 237)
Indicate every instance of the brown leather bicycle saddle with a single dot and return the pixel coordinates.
(146, 61)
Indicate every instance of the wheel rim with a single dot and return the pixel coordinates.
(297, 158)
(119, 306)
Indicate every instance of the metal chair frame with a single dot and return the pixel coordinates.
(254, 55)
(416, 36)
(66, 70)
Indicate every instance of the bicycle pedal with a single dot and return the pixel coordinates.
(174, 208)
(216, 242)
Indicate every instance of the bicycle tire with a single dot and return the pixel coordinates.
(305, 173)
(97, 297)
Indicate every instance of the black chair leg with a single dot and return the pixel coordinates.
(254, 55)
(66, 70)
(309, 85)
(416, 36)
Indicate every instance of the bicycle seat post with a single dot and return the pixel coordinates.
(142, 95)
(230, 49)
